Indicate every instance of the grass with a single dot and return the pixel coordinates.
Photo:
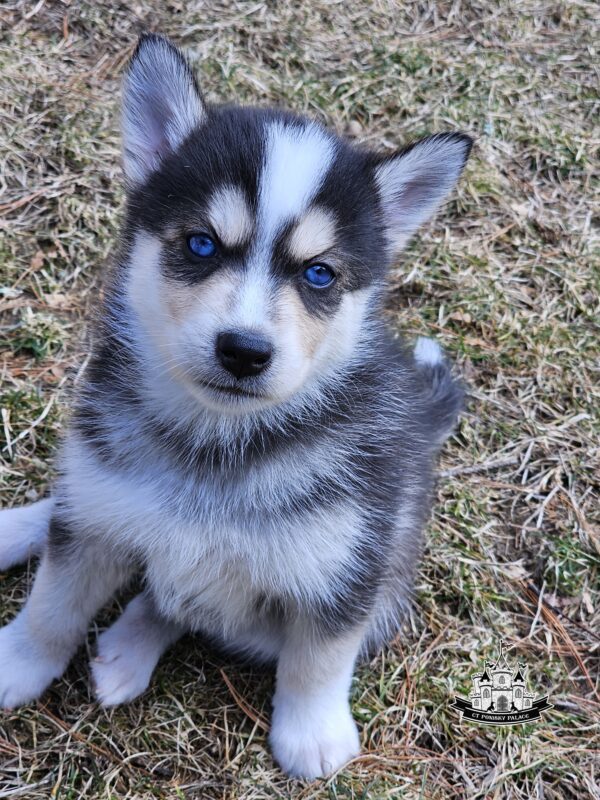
(507, 277)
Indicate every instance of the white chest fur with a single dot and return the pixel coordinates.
(217, 574)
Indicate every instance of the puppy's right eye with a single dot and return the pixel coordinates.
(201, 245)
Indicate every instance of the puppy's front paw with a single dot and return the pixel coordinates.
(123, 667)
(311, 739)
(25, 670)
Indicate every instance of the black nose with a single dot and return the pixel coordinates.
(243, 354)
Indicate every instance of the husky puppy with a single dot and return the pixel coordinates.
(248, 436)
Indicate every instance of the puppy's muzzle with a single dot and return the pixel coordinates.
(243, 354)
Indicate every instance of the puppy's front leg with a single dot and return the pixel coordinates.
(312, 730)
(76, 576)
(129, 651)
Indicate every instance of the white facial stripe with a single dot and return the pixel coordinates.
(250, 309)
(230, 216)
(297, 161)
(313, 234)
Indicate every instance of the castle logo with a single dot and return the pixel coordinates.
(500, 695)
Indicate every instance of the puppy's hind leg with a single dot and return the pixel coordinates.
(23, 532)
(77, 575)
(129, 651)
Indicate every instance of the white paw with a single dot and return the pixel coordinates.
(309, 741)
(23, 532)
(25, 671)
(124, 664)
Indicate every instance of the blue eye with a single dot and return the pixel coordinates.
(200, 244)
(319, 275)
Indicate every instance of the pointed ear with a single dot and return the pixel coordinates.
(414, 182)
(161, 105)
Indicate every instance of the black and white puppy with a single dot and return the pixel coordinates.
(248, 435)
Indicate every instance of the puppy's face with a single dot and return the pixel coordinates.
(259, 240)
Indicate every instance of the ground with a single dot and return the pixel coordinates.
(505, 278)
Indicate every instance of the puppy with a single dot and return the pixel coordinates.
(248, 436)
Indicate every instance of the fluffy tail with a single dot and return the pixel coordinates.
(445, 396)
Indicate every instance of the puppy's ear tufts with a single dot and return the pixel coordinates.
(161, 106)
(414, 182)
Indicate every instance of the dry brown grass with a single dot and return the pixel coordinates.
(507, 277)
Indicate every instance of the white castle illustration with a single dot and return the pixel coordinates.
(500, 688)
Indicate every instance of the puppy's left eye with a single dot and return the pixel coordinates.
(201, 244)
(319, 275)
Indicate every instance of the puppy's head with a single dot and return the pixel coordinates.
(259, 240)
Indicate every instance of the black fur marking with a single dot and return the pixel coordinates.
(60, 539)
(272, 608)
(227, 151)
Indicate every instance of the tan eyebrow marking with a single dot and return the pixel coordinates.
(313, 234)
(230, 216)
